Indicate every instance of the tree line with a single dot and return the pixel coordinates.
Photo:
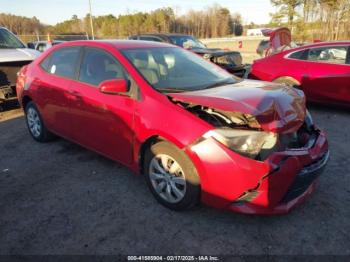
(21, 25)
(308, 20)
(314, 19)
(214, 21)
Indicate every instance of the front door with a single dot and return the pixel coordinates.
(327, 74)
(102, 122)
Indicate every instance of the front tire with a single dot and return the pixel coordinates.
(36, 124)
(171, 176)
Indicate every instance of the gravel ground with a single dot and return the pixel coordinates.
(59, 198)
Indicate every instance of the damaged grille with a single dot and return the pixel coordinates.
(304, 137)
(305, 178)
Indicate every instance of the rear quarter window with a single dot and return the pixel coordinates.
(328, 54)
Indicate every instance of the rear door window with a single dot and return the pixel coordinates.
(63, 62)
(328, 54)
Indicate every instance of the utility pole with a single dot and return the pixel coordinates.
(91, 22)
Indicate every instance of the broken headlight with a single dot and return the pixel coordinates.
(248, 143)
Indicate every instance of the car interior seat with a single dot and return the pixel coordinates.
(141, 62)
(95, 71)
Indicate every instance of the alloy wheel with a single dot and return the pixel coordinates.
(34, 122)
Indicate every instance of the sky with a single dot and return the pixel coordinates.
(51, 12)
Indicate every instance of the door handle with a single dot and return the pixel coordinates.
(74, 93)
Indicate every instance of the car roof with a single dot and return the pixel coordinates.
(46, 42)
(319, 44)
(313, 45)
(163, 34)
(119, 44)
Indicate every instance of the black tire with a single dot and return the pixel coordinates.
(43, 135)
(192, 191)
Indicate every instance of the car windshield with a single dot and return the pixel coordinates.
(186, 41)
(8, 40)
(171, 69)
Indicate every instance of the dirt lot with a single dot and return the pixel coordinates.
(59, 198)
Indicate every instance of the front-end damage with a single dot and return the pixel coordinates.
(246, 125)
(247, 163)
(8, 75)
(231, 61)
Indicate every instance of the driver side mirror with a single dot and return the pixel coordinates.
(114, 87)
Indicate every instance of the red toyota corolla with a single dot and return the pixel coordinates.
(321, 70)
(195, 131)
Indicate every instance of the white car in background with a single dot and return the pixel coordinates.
(42, 46)
(13, 55)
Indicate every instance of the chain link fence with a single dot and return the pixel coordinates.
(35, 38)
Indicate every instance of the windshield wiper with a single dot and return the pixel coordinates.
(220, 83)
(171, 89)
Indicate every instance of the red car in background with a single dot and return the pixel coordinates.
(192, 129)
(321, 70)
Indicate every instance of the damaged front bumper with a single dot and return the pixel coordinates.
(230, 61)
(273, 186)
(8, 76)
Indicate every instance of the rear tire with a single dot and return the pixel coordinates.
(36, 124)
(171, 176)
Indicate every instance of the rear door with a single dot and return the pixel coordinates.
(53, 95)
(102, 122)
(327, 77)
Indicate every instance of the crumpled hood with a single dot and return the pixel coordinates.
(18, 54)
(213, 51)
(276, 108)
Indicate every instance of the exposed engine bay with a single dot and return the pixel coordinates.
(305, 136)
(219, 118)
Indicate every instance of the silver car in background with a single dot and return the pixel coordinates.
(13, 55)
